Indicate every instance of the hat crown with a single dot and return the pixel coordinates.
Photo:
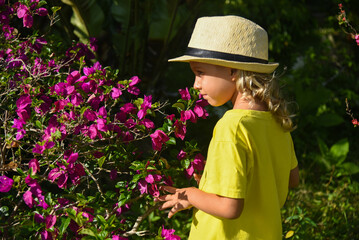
(230, 34)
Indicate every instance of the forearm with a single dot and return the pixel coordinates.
(213, 204)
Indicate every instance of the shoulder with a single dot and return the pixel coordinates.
(229, 127)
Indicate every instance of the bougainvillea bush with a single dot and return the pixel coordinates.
(82, 152)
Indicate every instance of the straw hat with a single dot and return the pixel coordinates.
(229, 41)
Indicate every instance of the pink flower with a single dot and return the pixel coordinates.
(76, 99)
(45, 235)
(180, 129)
(23, 101)
(158, 139)
(148, 124)
(72, 158)
(117, 237)
(188, 115)
(128, 108)
(199, 108)
(198, 162)
(18, 123)
(50, 221)
(38, 149)
(181, 155)
(34, 165)
(185, 94)
(150, 179)
(27, 21)
(134, 81)
(90, 115)
(115, 93)
(28, 199)
(168, 234)
(22, 10)
(147, 103)
(39, 218)
(5, 183)
(92, 131)
(357, 39)
(101, 125)
(102, 112)
(142, 186)
(41, 11)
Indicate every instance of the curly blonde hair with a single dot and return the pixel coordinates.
(265, 88)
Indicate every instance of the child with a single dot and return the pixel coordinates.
(251, 161)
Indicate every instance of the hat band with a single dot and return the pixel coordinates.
(197, 52)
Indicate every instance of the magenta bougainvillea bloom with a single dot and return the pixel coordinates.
(168, 234)
(50, 221)
(197, 164)
(188, 115)
(184, 94)
(181, 155)
(159, 137)
(180, 129)
(5, 183)
(199, 108)
(28, 199)
(34, 165)
(117, 237)
(132, 88)
(147, 103)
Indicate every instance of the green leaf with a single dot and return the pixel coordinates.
(339, 151)
(179, 106)
(101, 160)
(71, 213)
(350, 168)
(87, 231)
(55, 9)
(101, 220)
(65, 222)
(171, 141)
(38, 124)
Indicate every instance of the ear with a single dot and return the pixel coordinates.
(234, 74)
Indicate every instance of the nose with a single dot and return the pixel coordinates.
(197, 84)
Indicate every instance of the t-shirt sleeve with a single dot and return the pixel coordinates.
(226, 172)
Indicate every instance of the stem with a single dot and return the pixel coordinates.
(95, 180)
(135, 227)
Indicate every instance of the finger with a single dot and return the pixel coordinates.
(164, 198)
(168, 204)
(168, 189)
(176, 208)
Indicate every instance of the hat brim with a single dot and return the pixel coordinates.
(246, 66)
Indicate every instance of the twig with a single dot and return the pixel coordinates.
(135, 227)
(95, 180)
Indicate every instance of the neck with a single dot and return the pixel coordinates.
(250, 104)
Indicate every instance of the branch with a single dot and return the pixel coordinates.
(135, 227)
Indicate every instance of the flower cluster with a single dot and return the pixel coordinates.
(90, 151)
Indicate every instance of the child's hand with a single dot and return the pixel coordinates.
(177, 201)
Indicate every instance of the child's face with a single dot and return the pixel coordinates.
(216, 84)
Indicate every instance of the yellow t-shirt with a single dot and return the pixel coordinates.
(250, 156)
